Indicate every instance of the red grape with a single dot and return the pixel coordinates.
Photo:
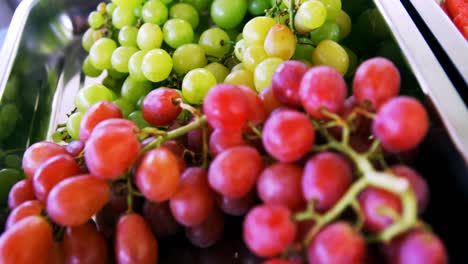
(419, 185)
(376, 80)
(322, 88)
(337, 243)
(234, 172)
(268, 230)
(270, 102)
(288, 135)
(37, 154)
(52, 172)
(226, 107)
(56, 254)
(401, 124)
(112, 148)
(134, 242)
(207, 233)
(160, 107)
(327, 177)
(160, 219)
(157, 177)
(73, 201)
(84, 245)
(195, 140)
(278, 261)
(286, 82)
(95, 114)
(75, 148)
(21, 192)
(221, 140)
(236, 206)
(280, 184)
(178, 151)
(256, 108)
(24, 210)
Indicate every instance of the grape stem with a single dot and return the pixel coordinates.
(205, 148)
(130, 194)
(291, 10)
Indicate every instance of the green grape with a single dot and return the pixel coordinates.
(177, 32)
(237, 67)
(215, 42)
(371, 23)
(196, 85)
(73, 125)
(89, 69)
(258, 7)
(154, 11)
(110, 7)
(140, 102)
(188, 57)
(303, 52)
(128, 36)
(112, 83)
(186, 12)
(233, 34)
(264, 72)
(280, 42)
(310, 15)
(200, 5)
(101, 53)
(11, 89)
(241, 77)
(134, 66)
(240, 48)
(333, 8)
(8, 178)
(137, 11)
(137, 118)
(132, 89)
(228, 13)
(218, 70)
(92, 94)
(96, 20)
(256, 30)
(125, 106)
(9, 114)
(127, 3)
(329, 30)
(116, 74)
(253, 55)
(344, 22)
(166, 2)
(156, 65)
(149, 37)
(122, 17)
(12, 161)
(57, 137)
(88, 39)
(330, 53)
(353, 62)
(121, 56)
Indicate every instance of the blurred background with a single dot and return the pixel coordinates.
(6, 12)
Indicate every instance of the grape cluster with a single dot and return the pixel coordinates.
(273, 139)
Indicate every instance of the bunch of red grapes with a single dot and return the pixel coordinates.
(315, 158)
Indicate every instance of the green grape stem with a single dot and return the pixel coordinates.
(291, 11)
(130, 194)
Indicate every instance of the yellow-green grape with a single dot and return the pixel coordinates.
(96, 20)
(101, 53)
(133, 90)
(156, 65)
(280, 42)
(196, 85)
(330, 53)
(128, 36)
(218, 70)
(154, 11)
(237, 67)
(256, 30)
(137, 118)
(73, 125)
(310, 15)
(88, 39)
(264, 72)
(92, 94)
(215, 42)
(177, 32)
(134, 66)
(120, 58)
(149, 37)
(186, 12)
(253, 55)
(89, 69)
(333, 8)
(122, 17)
(353, 62)
(344, 22)
(188, 57)
(124, 106)
(329, 30)
(110, 8)
(127, 3)
(239, 49)
(241, 77)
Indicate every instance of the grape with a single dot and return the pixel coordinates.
(160, 219)
(264, 72)
(327, 177)
(257, 110)
(24, 210)
(156, 65)
(160, 107)
(95, 114)
(20, 192)
(127, 3)
(329, 30)
(122, 17)
(256, 30)
(353, 62)
(226, 107)
(154, 12)
(252, 56)
(333, 8)
(401, 124)
(344, 23)
(376, 80)
(337, 243)
(268, 230)
(280, 42)
(310, 15)
(233, 173)
(135, 66)
(101, 53)
(132, 90)
(280, 185)
(240, 48)
(96, 20)
(73, 125)
(286, 82)
(128, 36)
(281, 142)
(236, 206)
(417, 182)
(207, 233)
(240, 77)
(157, 177)
(238, 67)
(75, 148)
(218, 70)
(119, 135)
(188, 57)
(177, 32)
(110, 7)
(73, 201)
(421, 247)
(269, 99)
(221, 140)
(228, 14)
(84, 244)
(131, 228)
(125, 106)
(88, 39)
(89, 69)
(186, 12)
(196, 85)
(51, 172)
(149, 37)
(215, 42)
(200, 5)
(37, 154)
(137, 118)
(258, 7)
(331, 54)
(91, 95)
(35, 237)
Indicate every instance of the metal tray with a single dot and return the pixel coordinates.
(41, 60)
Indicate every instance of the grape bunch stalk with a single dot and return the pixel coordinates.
(273, 139)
